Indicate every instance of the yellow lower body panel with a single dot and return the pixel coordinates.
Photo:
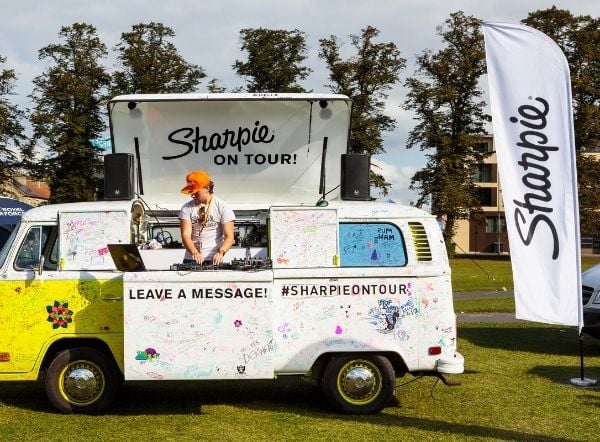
(36, 313)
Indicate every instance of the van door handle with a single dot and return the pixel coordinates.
(113, 298)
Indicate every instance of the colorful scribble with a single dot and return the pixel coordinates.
(391, 320)
(408, 308)
(154, 375)
(284, 330)
(237, 323)
(149, 355)
(402, 335)
(194, 371)
(59, 314)
(387, 316)
(346, 310)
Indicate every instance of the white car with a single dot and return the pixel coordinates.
(590, 280)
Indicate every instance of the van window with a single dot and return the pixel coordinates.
(371, 245)
(31, 249)
(7, 246)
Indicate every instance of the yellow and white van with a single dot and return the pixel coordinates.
(321, 282)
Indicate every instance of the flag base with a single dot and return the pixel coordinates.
(583, 382)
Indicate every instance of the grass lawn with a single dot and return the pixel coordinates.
(490, 274)
(516, 387)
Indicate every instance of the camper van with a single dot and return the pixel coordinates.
(322, 281)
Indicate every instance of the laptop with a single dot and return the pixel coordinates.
(127, 257)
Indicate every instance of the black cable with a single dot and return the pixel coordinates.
(158, 223)
(416, 378)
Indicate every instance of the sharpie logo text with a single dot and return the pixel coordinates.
(191, 140)
(534, 207)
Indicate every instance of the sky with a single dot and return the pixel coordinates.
(207, 34)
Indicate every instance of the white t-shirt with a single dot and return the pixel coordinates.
(207, 239)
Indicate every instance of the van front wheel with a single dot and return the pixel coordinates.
(359, 384)
(82, 380)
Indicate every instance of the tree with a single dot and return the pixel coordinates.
(365, 77)
(151, 64)
(11, 130)
(446, 101)
(579, 39)
(66, 114)
(214, 87)
(275, 59)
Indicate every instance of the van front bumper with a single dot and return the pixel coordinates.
(451, 365)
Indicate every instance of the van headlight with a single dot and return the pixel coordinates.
(596, 299)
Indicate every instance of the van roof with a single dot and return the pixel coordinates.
(50, 212)
(346, 209)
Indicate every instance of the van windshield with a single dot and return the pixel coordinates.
(7, 245)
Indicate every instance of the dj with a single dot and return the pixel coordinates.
(206, 222)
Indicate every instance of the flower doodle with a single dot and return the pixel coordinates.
(59, 314)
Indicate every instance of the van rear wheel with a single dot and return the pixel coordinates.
(359, 384)
(82, 380)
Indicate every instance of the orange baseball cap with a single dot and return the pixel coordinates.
(196, 180)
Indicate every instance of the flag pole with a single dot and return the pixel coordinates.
(582, 381)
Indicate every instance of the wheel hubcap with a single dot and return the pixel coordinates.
(82, 383)
(359, 382)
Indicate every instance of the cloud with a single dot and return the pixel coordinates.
(399, 177)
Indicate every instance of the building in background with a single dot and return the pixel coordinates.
(18, 194)
(32, 192)
(488, 235)
(590, 244)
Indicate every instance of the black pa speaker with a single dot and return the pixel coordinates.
(355, 177)
(118, 176)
